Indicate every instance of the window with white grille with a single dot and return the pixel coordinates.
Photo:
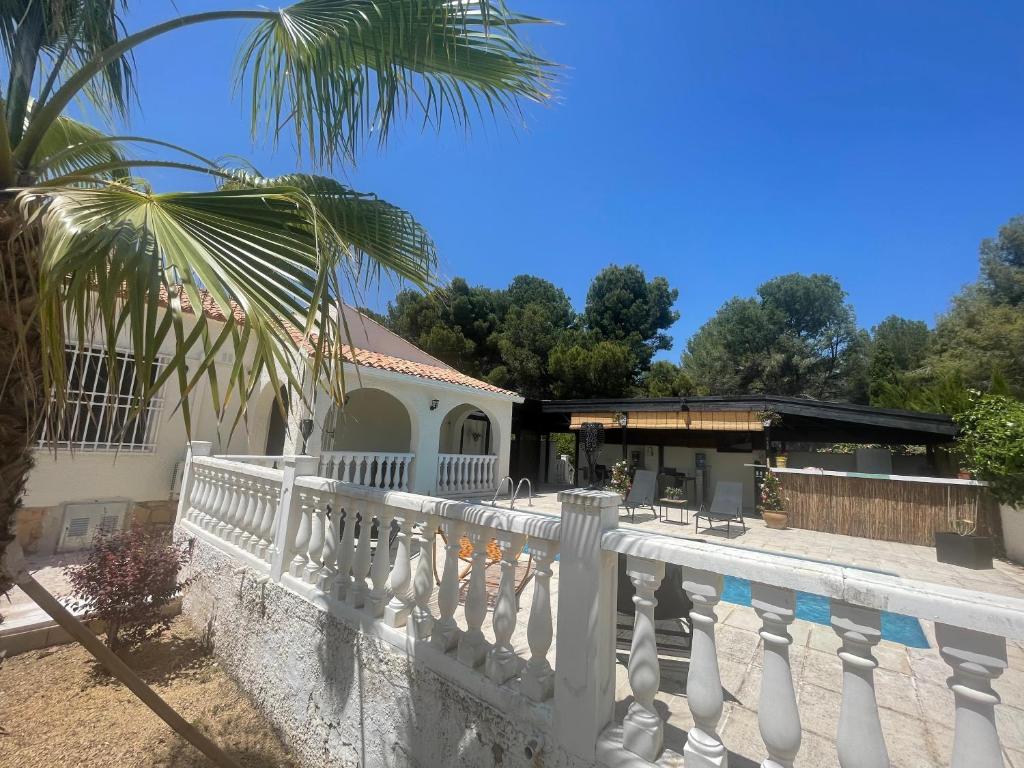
(100, 417)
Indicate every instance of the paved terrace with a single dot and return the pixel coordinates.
(915, 704)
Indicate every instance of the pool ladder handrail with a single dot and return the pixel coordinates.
(529, 490)
(501, 485)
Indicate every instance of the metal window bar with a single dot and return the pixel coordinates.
(96, 419)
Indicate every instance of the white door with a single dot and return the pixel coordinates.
(83, 521)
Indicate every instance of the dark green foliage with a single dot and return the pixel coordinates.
(798, 338)
(991, 444)
(529, 339)
(665, 379)
(623, 306)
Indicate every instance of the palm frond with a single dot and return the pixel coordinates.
(339, 70)
(118, 262)
(71, 146)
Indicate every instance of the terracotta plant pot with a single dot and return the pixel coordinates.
(775, 518)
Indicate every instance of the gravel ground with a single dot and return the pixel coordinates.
(57, 710)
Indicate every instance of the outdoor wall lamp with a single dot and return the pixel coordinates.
(623, 419)
(305, 429)
(433, 404)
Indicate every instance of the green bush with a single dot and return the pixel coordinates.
(991, 444)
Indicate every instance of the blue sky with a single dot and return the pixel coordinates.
(716, 143)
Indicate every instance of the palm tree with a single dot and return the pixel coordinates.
(89, 251)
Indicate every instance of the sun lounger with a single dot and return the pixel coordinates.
(642, 493)
(727, 506)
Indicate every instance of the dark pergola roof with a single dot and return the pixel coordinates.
(802, 419)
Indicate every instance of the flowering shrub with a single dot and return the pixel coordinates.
(991, 444)
(127, 579)
(771, 493)
(622, 478)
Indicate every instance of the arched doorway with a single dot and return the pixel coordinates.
(368, 440)
(277, 427)
(466, 461)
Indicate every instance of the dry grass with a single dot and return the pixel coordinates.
(57, 710)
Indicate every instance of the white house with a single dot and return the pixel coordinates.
(410, 422)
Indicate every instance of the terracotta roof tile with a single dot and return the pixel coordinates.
(362, 357)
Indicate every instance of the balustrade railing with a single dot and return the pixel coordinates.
(396, 562)
(273, 462)
(970, 628)
(463, 473)
(389, 471)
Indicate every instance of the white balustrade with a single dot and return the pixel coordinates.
(390, 471)
(642, 729)
(777, 713)
(446, 630)
(976, 658)
(859, 741)
(323, 535)
(502, 662)
(472, 644)
(397, 611)
(463, 473)
(377, 598)
(538, 677)
(425, 540)
(361, 563)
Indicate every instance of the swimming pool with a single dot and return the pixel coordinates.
(905, 630)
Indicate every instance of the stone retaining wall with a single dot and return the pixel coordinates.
(342, 697)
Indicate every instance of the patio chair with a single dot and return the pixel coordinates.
(642, 493)
(727, 505)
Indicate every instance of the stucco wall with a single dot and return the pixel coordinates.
(340, 697)
(373, 420)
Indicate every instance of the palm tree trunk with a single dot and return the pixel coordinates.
(21, 408)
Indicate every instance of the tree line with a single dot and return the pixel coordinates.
(797, 336)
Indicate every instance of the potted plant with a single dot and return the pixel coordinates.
(991, 447)
(962, 547)
(674, 493)
(772, 502)
(622, 478)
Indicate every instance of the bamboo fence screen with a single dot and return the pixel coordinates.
(888, 510)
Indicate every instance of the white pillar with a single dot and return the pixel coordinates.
(423, 582)
(357, 593)
(398, 610)
(777, 712)
(288, 512)
(976, 658)
(377, 597)
(585, 651)
(346, 554)
(859, 742)
(426, 434)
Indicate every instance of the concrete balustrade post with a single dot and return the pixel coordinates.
(977, 658)
(704, 748)
(423, 581)
(377, 597)
(346, 555)
(642, 727)
(185, 495)
(314, 568)
(502, 662)
(328, 577)
(397, 611)
(288, 512)
(584, 702)
(472, 644)
(860, 742)
(777, 712)
(361, 564)
(446, 631)
(538, 677)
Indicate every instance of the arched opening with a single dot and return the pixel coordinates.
(277, 425)
(368, 440)
(467, 444)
